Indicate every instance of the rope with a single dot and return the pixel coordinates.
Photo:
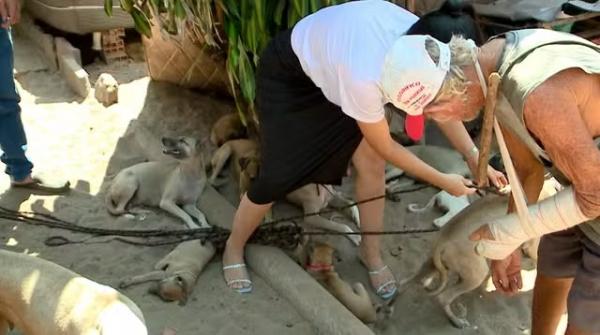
(267, 231)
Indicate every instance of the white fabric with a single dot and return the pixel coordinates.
(410, 78)
(342, 49)
(553, 214)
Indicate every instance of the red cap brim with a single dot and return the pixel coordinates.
(415, 126)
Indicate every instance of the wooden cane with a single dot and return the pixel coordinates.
(486, 131)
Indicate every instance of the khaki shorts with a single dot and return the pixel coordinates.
(570, 254)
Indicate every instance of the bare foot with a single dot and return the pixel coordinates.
(169, 331)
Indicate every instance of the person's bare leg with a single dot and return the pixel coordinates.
(247, 218)
(370, 182)
(549, 303)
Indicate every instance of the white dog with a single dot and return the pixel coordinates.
(38, 297)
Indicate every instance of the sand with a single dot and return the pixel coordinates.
(86, 143)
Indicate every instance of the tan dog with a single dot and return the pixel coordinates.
(42, 298)
(244, 156)
(174, 186)
(354, 297)
(314, 198)
(453, 252)
(177, 272)
(228, 127)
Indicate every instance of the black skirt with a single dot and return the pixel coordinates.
(305, 138)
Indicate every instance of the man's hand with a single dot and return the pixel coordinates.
(496, 178)
(10, 12)
(506, 274)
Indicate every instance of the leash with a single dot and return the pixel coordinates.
(283, 232)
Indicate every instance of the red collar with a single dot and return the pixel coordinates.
(319, 267)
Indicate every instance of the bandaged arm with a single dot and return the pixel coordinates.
(553, 214)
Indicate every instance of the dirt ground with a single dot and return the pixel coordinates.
(82, 141)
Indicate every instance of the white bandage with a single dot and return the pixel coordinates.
(556, 213)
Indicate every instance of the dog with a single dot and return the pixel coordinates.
(177, 272)
(245, 157)
(174, 186)
(445, 201)
(228, 127)
(39, 297)
(313, 198)
(355, 297)
(453, 252)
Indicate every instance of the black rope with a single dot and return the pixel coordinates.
(264, 232)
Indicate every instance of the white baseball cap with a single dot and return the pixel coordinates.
(410, 79)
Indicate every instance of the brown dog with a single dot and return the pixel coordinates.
(38, 297)
(244, 156)
(228, 127)
(354, 297)
(177, 272)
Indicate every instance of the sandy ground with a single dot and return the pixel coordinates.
(80, 140)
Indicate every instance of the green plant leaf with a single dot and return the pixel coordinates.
(142, 23)
(108, 5)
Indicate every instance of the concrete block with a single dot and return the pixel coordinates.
(77, 78)
(64, 48)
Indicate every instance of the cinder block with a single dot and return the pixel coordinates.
(77, 78)
(64, 48)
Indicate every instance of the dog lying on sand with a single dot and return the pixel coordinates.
(244, 157)
(174, 186)
(176, 274)
(38, 297)
(355, 297)
(228, 127)
(313, 198)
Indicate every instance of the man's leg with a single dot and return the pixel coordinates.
(559, 257)
(583, 303)
(369, 183)
(13, 142)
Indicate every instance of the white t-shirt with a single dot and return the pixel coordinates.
(342, 49)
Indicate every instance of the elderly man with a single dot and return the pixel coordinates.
(549, 112)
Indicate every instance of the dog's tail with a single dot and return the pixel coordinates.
(436, 259)
(414, 208)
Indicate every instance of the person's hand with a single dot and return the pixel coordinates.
(457, 185)
(496, 178)
(506, 274)
(10, 12)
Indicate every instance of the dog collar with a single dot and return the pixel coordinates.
(319, 267)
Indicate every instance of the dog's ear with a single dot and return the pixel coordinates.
(184, 287)
(243, 162)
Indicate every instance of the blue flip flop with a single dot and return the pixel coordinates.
(245, 288)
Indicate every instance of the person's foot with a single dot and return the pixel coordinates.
(38, 184)
(381, 277)
(235, 271)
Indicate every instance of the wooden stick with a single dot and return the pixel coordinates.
(486, 131)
